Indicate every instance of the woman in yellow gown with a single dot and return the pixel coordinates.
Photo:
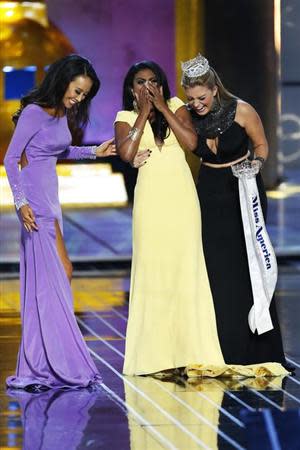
(169, 285)
(171, 320)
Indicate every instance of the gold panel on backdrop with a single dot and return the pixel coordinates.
(189, 26)
(26, 39)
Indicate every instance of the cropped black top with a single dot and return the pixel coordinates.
(233, 140)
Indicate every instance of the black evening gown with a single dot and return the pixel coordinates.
(225, 250)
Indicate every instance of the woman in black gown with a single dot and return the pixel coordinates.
(226, 125)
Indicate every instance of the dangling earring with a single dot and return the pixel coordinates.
(135, 106)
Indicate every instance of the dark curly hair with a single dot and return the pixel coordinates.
(159, 125)
(50, 93)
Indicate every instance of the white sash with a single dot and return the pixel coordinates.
(261, 255)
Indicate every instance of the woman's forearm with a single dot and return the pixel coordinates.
(127, 143)
(185, 134)
(261, 150)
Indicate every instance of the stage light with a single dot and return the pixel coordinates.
(80, 185)
(28, 43)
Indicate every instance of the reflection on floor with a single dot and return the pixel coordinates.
(142, 413)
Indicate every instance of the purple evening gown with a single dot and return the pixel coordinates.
(52, 350)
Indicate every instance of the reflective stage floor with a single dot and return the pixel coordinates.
(101, 237)
(142, 413)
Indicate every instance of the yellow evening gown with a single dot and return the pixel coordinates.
(169, 289)
(171, 314)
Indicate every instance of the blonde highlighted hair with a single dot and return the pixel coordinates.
(210, 79)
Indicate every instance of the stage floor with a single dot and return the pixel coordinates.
(101, 237)
(142, 413)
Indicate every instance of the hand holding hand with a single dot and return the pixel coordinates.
(107, 148)
(28, 218)
(141, 158)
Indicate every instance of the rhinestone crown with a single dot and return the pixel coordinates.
(195, 67)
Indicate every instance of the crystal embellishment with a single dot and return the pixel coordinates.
(244, 170)
(217, 121)
(20, 202)
(93, 151)
(195, 67)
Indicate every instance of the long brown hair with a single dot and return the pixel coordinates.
(210, 79)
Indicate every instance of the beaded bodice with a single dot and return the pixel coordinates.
(231, 138)
(218, 120)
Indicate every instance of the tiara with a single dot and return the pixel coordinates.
(195, 67)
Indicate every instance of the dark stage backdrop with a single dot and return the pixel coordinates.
(240, 43)
(289, 154)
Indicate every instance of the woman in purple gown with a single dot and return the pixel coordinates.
(52, 352)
